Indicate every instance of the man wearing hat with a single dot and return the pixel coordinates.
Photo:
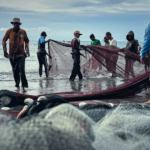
(75, 43)
(17, 54)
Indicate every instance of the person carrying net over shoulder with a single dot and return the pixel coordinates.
(41, 54)
(75, 43)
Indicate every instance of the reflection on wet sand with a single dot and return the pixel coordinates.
(76, 86)
(46, 86)
(43, 86)
(94, 85)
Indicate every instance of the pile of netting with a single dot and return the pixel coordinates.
(89, 127)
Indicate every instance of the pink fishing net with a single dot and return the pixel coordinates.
(100, 62)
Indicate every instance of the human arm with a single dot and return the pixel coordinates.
(98, 42)
(82, 55)
(66, 41)
(26, 40)
(146, 43)
(140, 48)
(47, 41)
(48, 55)
(4, 44)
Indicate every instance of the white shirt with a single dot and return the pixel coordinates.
(77, 38)
(113, 42)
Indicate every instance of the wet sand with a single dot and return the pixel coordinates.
(44, 86)
(47, 86)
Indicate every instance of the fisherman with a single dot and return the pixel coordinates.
(41, 54)
(146, 45)
(106, 42)
(94, 41)
(96, 64)
(114, 57)
(75, 43)
(132, 45)
(112, 42)
(17, 54)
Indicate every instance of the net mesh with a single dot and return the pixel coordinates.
(63, 127)
(99, 60)
(126, 126)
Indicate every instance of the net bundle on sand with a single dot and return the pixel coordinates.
(63, 127)
(66, 127)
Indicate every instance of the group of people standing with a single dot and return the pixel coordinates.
(18, 52)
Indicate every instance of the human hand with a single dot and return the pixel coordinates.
(6, 54)
(142, 60)
(28, 53)
(48, 40)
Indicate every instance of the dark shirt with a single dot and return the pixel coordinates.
(41, 46)
(75, 46)
(16, 30)
(132, 46)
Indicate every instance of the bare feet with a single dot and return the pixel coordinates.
(18, 89)
(46, 76)
(23, 90)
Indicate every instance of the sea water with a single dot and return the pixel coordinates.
(55, 84)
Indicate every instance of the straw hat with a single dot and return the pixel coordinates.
(16, 20)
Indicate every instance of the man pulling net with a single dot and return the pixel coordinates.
(41, 54)
(75, 43)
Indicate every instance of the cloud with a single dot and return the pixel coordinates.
(3, 29)
(43, 29)
(39, 29)
(77, 7)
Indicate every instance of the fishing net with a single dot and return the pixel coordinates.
(63, 127)
(100, 62)
(126, 126)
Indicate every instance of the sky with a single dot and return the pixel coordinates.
(60, 18)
